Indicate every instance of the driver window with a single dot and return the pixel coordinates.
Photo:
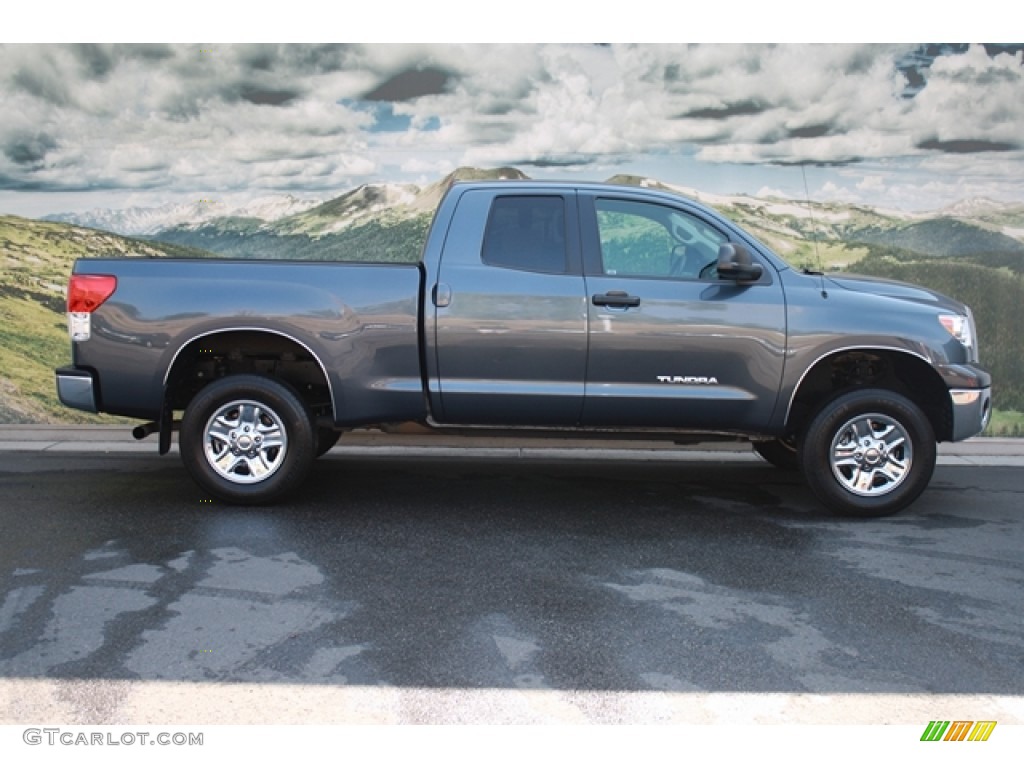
(649, 240)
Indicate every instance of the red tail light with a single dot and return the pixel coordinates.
(87, 292)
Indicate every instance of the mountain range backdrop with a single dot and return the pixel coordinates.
(901, 162)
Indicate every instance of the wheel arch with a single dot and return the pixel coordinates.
(211, 355)
(849, 368)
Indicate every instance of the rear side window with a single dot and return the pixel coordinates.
(526, 233)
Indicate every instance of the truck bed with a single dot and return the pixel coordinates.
(357, 323)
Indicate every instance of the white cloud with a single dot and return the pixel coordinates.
(872, 183)
(232, 118)
(973, 97)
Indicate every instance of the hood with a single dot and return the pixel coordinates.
(897, 290)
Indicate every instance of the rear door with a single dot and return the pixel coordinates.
(511, 310)
(671, 344)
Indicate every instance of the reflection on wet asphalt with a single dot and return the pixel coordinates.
(529, 576)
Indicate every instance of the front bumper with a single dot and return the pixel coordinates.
(76, 388)
(972, 409)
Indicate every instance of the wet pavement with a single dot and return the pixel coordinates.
(434, 588)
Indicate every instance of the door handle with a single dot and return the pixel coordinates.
(442, 295)
(615, 299)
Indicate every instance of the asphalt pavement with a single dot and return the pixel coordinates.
(419, 579)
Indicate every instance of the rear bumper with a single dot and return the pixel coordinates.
(972, 409)
(76, 388)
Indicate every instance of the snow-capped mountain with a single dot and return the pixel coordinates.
(150, 221)
(285, 222)
(359, 205)
(976, 207)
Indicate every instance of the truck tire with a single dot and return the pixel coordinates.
(778, 453)
(868, 453)
(247, 439)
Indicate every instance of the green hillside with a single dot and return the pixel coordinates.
(941, 237)
(994, 293)
(35, 261)
(376, 240)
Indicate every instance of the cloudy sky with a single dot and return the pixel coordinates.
(903, 126)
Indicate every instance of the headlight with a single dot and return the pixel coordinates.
(961, 328)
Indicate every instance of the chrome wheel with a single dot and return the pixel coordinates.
(871, 454)
(245, 441)
(868, 452)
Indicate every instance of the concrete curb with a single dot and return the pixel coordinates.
(92, 439)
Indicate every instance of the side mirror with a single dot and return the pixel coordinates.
(736, 263)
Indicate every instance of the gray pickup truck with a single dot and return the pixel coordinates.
(558, 308)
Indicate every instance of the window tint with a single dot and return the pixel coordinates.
(526, 233)
(650, 240)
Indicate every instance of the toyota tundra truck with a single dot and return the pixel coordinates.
(536, 307)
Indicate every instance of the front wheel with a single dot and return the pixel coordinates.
(247, 439)
(868, 453)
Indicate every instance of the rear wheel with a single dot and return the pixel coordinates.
(868, 453)
(247, 439)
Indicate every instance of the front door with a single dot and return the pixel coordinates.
(671, 344)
